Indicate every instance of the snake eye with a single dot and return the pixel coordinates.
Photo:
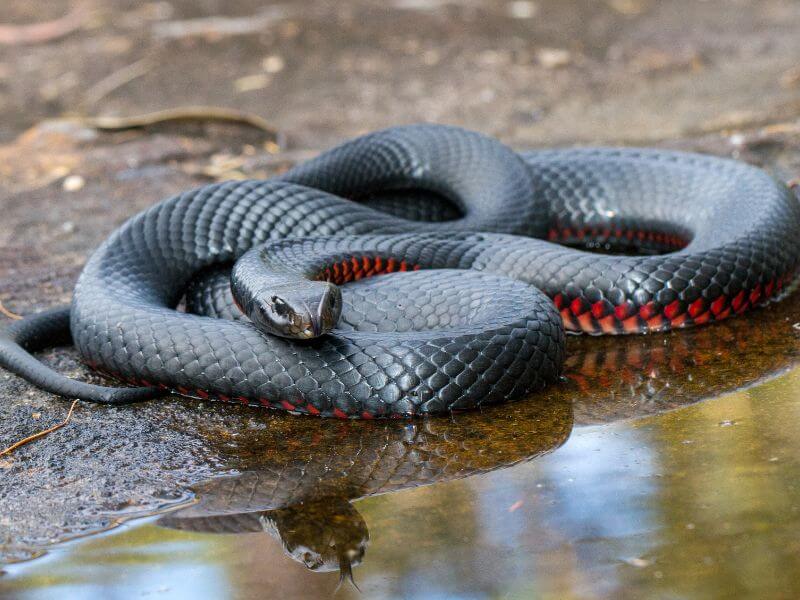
(279, 306)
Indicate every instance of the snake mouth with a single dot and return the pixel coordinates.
(315, 327)
(313, 330)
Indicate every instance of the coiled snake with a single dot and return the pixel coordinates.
(508, 236)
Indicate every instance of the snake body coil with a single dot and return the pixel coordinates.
(422, 341)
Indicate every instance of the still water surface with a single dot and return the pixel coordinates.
(536, 500)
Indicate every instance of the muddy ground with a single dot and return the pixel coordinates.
(717, 76)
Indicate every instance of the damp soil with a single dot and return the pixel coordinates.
(585, 490)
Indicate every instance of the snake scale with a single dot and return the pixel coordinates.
(494, 255)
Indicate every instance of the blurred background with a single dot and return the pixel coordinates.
(531, 71)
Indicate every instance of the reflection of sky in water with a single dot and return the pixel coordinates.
(430, 585)
(154, 570)
(602, 488)
(588, 505)
(591, 496)
(601, 481)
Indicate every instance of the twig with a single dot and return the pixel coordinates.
(39, 33)
(116, 80)
(8, 313)
(187, 113)
(224, 26)
(36, 436)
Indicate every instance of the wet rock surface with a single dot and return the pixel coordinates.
(697, 76)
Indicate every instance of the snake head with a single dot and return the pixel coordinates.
(324, 535)
(283, 302)
(305, 310)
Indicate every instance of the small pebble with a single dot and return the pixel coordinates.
(73, 183)
(553, 58)
(250, 83)
(522, 9)
(431, 57)
(737, 139)
(273, 64)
